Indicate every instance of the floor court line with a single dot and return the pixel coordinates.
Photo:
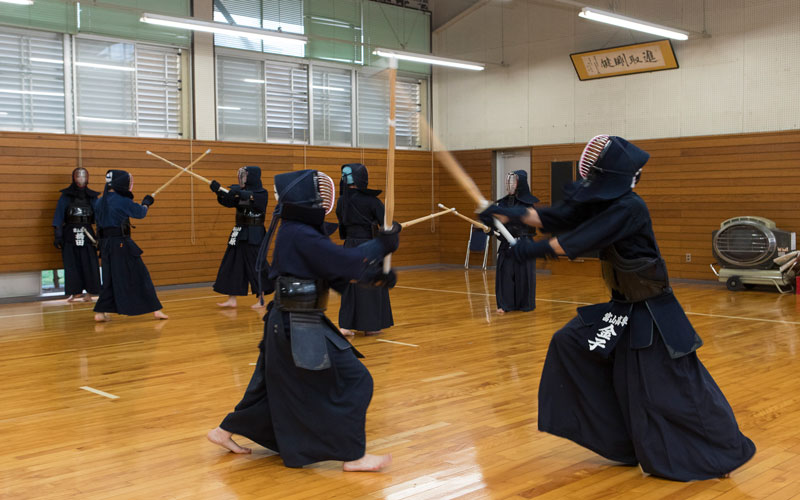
(97, 391)
(744, 318)
(91, 308)
(396, 342)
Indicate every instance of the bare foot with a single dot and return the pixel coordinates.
(231, 302)
(75, 298)
(102, 317)
(88, 298)
(259, 304)
(368, 463)
(500, 311)
(346, 332)
(223, 438)
(370, 334)
(160, 315)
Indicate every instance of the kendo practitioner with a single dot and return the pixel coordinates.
(515, 281)
(238, 268)
(127, 287)
(623, 378)
(360, 214)
(72, 223)
(308, 397)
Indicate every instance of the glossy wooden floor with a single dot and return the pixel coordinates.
(457, 408)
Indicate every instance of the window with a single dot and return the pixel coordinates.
(287, 102)
(240, 99)
(373, 111)
(333, 114)
(284, 15)
(127, 89)
(32, 82)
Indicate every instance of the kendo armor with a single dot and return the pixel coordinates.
(248, 216)
(305, 301)
(79, 212)
(634, 280)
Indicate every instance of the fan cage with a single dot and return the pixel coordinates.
(745, 243)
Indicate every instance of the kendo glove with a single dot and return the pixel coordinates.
(214, 186)
(148, 200)
(386, 280)
(514, 214)
(383, 244)
(526, 249)
(389, 238)
(58, 239)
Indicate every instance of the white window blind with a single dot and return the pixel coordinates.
(240, 99)
(373, 111)
(127, 89)
(332, 98)
(158, 91)
(105, 76)
(287, 102)
(286, 15)
(32, 82)
(407, 112)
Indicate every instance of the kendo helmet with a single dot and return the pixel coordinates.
(120, 181)
(517, 186)
(356, 174)
(80, 177)
(609, 167)
(306, 188)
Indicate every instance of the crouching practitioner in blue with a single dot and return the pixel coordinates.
(127, 287)
(72, 224)
(308, 397)
(360, 212)
(238, 267)
(515, 281)
(623, 378)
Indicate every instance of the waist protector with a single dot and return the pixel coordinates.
(110, 232)
(300, 295)
(246, 216)
(79, 214)
(634, 280)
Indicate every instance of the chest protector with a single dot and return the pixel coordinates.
(79, 211)
(634, 280)
(248, 216)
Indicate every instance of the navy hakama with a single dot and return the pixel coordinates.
(515, 282)
(306, 416)
(640, 406)
(364, 308)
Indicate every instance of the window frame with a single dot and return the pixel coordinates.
(183, 55)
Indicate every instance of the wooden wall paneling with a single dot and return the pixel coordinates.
(455, 231)
(35, 167)
(693, 184)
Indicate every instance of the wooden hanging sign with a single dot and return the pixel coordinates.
(625, 60)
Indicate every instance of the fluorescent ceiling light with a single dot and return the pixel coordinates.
(103, 120)
(634, 24)
(428, 59)
(222, 28)
(3, 113)
(31, 92)
(253, 80)
(18, 2)
(233, 108)
(334, 89)
(43, 60)
(104, 66)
